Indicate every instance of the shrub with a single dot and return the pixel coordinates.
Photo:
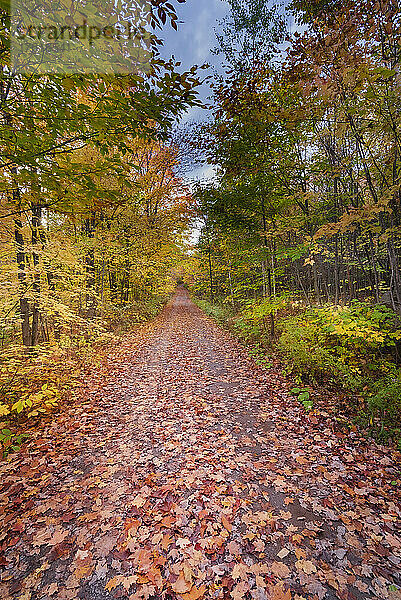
(352, 345)
(384, 406)
(303, 345)
(222, 314)
(255, 321)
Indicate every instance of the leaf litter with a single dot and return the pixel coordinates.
(187, 472)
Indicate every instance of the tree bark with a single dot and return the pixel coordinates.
(21, 265)
(36, 224)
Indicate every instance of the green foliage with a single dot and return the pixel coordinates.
(303, 395)
(346, 345)
(384, 408)
(351, 348)
(257, 311)
(254, 322)
(221, 314)
(303, 345)
(11, 442)
(123, 317)
(33, 384)
(359, 325)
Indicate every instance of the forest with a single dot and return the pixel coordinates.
(200, 300)
(300, 245)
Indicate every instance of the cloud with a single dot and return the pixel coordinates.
(195, 36)
(191, 45)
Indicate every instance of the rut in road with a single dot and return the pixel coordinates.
(189, 473)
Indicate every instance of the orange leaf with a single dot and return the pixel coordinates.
(113, 583)
(195, 593)
(226, 523)
(277, 592)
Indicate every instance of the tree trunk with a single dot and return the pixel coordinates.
(22, 277)
(36, 224)
(336, 274)
(21, 263)
(395, 286)
(89, 229)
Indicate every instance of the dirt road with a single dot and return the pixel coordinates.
(186, 472)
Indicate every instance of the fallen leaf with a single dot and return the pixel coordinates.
(277, 592)
(195, 593)
(226, 523)
(280, 570)
(181, 586)
(306, 566)
(240, 571)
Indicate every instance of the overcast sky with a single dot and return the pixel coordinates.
(195, 38)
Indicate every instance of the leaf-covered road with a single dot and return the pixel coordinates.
(188, 473)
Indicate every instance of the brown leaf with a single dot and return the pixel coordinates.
(240, 571)
(240, 590)
(181, 586)
(306, 566)
(226, 523)
(167, 539)
(233, 548)
(280, 570)
(277, 592)
(195, 593)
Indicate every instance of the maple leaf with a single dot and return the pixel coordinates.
(132, 526)
(181, 585)
(300, 553)
(138, 501)
(260, 582)
(277, 592)
(166, 541)
(113, 583)
(188, 573)
(240, 571)
(143, 593)
(144, 559)
(240, 590)
(226, 523)
(233, 548)
(105, 545)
